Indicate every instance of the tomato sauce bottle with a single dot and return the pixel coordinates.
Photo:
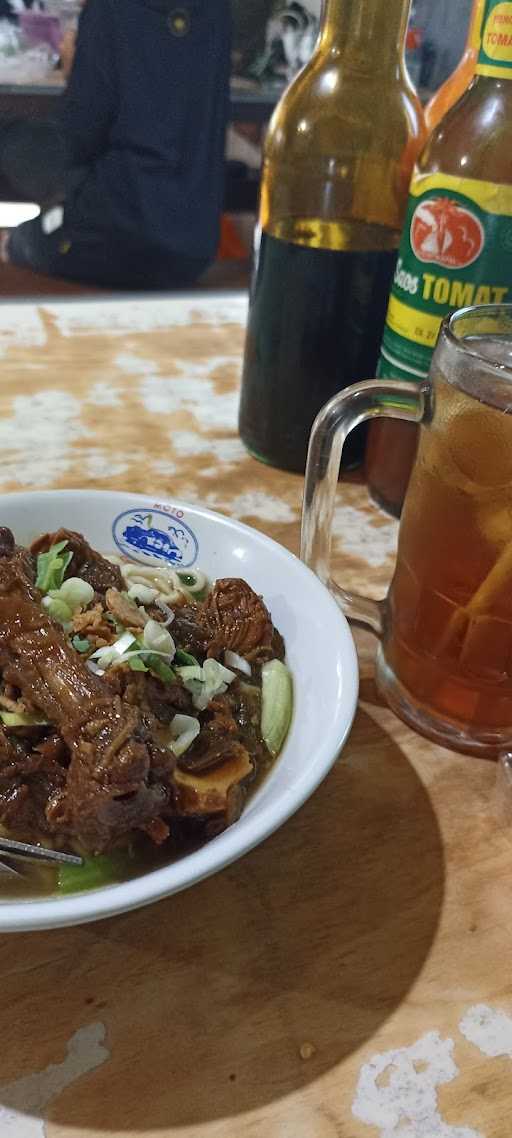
(456, 246)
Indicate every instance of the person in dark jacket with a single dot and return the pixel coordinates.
(143, 123)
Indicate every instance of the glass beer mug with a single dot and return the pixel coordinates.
(444, 662)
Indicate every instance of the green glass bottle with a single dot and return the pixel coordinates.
(456, 246)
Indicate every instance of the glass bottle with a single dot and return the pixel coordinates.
(456, 246)
(337, 164)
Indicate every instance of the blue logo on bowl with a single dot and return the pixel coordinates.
(149, 535)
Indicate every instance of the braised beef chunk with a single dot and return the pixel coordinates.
(238, 620)
(191, 629)
(233, 617)
(28, 781)
(213, 775)
(16, 563)
(217, 741)
(161, 701)
(115, 781)
(167, 700)
(245, 700)
(7, 542)
(278, 647)
(86, 562)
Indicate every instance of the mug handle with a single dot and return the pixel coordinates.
(371, 399)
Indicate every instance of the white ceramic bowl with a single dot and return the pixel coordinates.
(320, 652)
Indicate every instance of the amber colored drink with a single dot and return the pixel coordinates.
(448, 634)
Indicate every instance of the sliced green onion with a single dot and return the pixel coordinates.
(184, 729)
(111, 652)
(51, 567)
(233, 660)
(58, 610)
(185, 659)
(215, 673)
(21, 719)
(55, 549)
(124, 643)
(195, 583)
(160, 669)
(76, 593)
(142, 593)
(81, 643)
(206, 682)
(191, 672)
(128, 649)
(168, 613)
(156, 638)
(276, 704)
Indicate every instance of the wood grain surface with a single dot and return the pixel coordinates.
(351, 977)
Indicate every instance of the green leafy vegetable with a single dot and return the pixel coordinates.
(81, 643)
(136, 663)
(51, 567)
(276, 704)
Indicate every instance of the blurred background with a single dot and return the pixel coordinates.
(272, 40)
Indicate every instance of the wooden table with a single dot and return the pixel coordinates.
(351, 977)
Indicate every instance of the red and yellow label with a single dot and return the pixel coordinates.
(495, 56)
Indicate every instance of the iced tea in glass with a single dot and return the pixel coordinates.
(445, 657)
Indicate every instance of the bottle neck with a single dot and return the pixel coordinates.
(473, 40)
(333, 31)
(369, 33)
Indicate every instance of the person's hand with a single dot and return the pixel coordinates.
(67, 51)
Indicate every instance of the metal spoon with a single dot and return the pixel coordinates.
(24, 851)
